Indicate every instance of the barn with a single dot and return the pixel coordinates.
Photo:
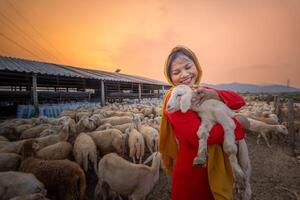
(32, 82)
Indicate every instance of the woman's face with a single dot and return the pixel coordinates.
(183, 71)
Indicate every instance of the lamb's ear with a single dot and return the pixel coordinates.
(185, 102)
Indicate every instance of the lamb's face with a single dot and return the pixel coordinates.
(282, 129)
(180, 99)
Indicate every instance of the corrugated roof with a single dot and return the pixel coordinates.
(28, 66)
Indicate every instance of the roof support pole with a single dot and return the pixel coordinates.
(35, 95)
(140, 91)
(102, 93)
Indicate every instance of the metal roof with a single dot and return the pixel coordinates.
(28, 66)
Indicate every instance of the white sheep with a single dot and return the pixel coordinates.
(58, 151)
(125, 178)
(136, 144)
(150, 135)
(211, 112)
(263, 129)
(110, 140)
(9, 162)
(84, 150)
(14, 184)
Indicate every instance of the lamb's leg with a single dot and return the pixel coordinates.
(203, 133)
(266, 139)
(230, 148)
(244, 160)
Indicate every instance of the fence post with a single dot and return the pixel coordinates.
(35, 95)
(291, 121)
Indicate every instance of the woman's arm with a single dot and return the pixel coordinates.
(232, 99)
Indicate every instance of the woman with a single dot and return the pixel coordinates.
(179, 142)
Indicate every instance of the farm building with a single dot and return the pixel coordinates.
(31, 82)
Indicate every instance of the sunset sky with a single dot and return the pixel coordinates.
(247, 41)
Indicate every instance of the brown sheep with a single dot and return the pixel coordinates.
(62, 178)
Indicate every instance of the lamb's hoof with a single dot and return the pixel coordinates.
(240, 182)
(199, 162)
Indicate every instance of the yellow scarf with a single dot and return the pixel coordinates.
(219, 170)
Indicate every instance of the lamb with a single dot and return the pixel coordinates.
(263, 128)
(211, 111)
(84, 150)
(110, 140)
(14, 184)
(113, 170)
(62, 178)
(9, 162)
(136, 144)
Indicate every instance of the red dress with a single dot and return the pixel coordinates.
(188, 182)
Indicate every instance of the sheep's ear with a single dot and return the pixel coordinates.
(35, 146)
(185, 102)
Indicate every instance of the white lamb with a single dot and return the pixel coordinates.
(213, 111)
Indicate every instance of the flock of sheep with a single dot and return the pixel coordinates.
(53, 155)
(50, 157)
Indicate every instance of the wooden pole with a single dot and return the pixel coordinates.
(140, 91)
(102, 93)
(35, 95)
(291, 121)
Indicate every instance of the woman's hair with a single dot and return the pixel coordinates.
(177, 51)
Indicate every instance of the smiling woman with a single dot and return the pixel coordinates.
(179, 142)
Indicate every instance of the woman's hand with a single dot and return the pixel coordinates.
(204, 94)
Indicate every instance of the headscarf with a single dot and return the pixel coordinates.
(219, 169)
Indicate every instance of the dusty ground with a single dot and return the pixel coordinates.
(275, 173)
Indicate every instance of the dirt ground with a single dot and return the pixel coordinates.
(275, 173)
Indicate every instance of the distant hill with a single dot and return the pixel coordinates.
(252, 88)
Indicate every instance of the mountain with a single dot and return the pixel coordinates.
(252, 88)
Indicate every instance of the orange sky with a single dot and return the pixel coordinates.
(255, 41)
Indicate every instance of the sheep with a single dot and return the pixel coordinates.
(84, 150)
(57, 151)
(51, 131)
(125, 178)
(136, 144)
(11, 147)
(110, 140)
(62, 178)
(14, 184)
(211, 111)
(35, 196)
(263, 128)
(9, 161)
(34, 131)
(85, 124)
(150, 135)
(116, 120)
(52, 139)
(19, 129)
(104, 127)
